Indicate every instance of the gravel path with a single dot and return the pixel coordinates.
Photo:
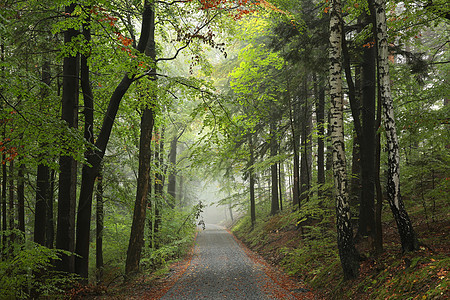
(220, 269)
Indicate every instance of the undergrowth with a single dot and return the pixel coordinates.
(305, 246)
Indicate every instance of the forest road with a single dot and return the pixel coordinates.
(220, 269)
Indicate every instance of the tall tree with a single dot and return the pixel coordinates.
(275, 205)
(145, 154)
(90, 170)
(251, 175)
(406, 231)
(347, 251)
(65, 223)
(320, 116)
(42, 178)
(172, 177)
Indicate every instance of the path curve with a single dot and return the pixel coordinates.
(220, 269)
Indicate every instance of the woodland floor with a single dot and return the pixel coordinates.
(423, 274)
(391, 275)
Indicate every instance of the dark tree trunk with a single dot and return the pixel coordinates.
(145, 156)
(320, 115)
(90, 173)
(251, 174)
(296, 183)
(355, 105)
(65, 228)
(280, 185)
(306, 157)
(378, 189)
(21, 197)
(50, 226)
(275, 207)
(171, 188)
(295, 120)
(4, 186)
(99, 229)
(159, 185)
(355, 183)
(42, 193)
(181, 190)
(140, 205)
(366, 226)
(11, 213)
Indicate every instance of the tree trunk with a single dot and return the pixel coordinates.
(366, 226)
(171, 188)
(50, 226)
(378, 189)
(11, 213)
(275, 207)
(181, 190)
(251, 174)
(294, 120)
(89, 173)
(145, 156)
(407, 235)
(4, 213)
(99, 229)
(347, 251)
(137, 227)
(21, 197)
(355, 179)
(320, 115)
(306, 157)
(40, 213)
(280, 185)
(355, 105)
(65, 229)
(159, 184)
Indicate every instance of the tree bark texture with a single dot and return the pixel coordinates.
(145, 156)
(40, 213)
(347, 251)
(140, 205)
(366, 225)
(306, 148)
(251, 175)
(407, 235)
(11, 214)
(4, 187)
(320, 116)
(171, 187)
(275, 207)
(99, 229)
(295, 120)
(159, 185)
(65, 226)
(50, 221)
(90, 173)
(21, 197)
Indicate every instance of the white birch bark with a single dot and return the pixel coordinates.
(347, 252)
(407, 234)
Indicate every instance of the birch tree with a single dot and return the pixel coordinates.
(407, 235)
(347, 252)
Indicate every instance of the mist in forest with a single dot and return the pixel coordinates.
(213, 213)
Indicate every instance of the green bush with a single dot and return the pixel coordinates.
(27, 270)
